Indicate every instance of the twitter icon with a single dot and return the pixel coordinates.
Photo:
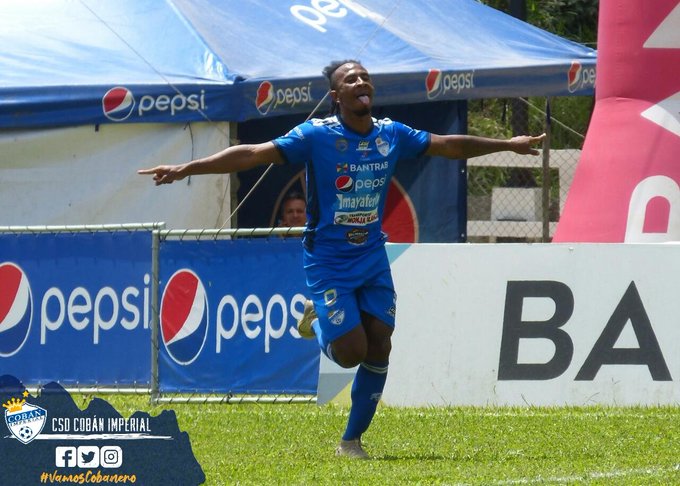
(88, 456)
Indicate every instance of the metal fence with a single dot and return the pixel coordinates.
(515, 197)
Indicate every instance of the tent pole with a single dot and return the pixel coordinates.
(546, 173)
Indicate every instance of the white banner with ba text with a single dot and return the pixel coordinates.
(541, 324)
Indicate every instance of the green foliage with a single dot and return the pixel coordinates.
(293, 444)
(573, 19)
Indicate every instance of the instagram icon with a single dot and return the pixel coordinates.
(110, 456)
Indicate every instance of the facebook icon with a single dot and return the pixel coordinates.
(65, 456)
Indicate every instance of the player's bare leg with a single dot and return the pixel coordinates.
(369, 346)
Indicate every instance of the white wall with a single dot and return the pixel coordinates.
(80, 175)
(461, 307)
(455, 304)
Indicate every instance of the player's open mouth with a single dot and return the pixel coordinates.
(365, 99)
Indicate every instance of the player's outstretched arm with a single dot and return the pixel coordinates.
(232, 159)
(468, 146)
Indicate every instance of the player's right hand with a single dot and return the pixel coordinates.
(163, 174)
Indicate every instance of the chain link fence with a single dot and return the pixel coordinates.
(519, 198)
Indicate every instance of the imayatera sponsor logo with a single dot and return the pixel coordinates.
(438, 83)
(119, 103)
(369, 166)
(357, 218)
(367, 201)
(269, 98)
(579, 77)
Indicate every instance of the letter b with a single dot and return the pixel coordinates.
(515, 329)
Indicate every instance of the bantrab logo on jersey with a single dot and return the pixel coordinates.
(24, 421)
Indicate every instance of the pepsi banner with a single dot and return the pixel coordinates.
(121, 74)
(227, 317)
(75, 307)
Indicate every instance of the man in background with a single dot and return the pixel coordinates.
(293, 210)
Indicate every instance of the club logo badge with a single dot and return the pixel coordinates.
(24, 421)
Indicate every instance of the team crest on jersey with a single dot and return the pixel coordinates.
(383, 147)
(24, 421)
(337, 317)
(341, 144)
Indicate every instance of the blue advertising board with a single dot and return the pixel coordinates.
(76, 307)
(228, 310)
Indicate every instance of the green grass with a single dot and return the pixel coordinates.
(293, 444)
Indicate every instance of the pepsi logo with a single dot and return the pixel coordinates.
(344, 183)
(433, 83)
(118, 103)
(184, 317)
(574, 76)
(401, 220)
(265, 97)
(16, 309)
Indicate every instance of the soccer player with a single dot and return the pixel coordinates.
(350, 158)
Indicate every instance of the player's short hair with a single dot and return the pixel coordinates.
(333, 66)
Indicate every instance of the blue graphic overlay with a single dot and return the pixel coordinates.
(48, 439)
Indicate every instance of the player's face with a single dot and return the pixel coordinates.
(353, 89)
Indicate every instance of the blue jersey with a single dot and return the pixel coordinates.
(348, 175)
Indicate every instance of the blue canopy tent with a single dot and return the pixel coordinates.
(87, 62)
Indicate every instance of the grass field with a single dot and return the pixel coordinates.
(293, 444)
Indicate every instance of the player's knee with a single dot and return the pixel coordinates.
(379, 349)
(349, 356)
(348, 353)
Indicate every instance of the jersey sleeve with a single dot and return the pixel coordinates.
(413, 142)
(296, 145)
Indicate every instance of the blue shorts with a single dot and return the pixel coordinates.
(341, 290)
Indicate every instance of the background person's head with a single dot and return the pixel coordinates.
(293, 210)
